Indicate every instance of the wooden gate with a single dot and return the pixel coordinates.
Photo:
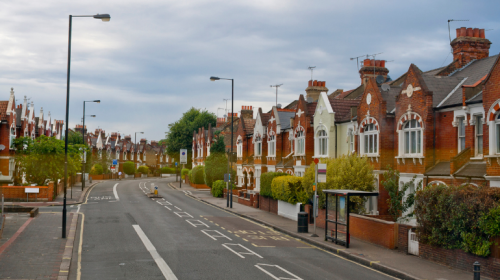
(412, 243)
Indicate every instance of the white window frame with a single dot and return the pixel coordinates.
(258, 146)
(350, 143)
(414, 129)
(208, 148)
(12, 136)
(124, 155)
(132, 155)
(144, 156)
(370, 134)
(478, 137)
(321, 143)
(497, 133)
(300, 143)
(461, 133)
(239, 147)
(271, 147)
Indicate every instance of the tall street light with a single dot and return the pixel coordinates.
(229, 200)
(103, 17)
(84, 143)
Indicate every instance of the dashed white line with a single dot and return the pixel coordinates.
(168, 208)
(178, 208)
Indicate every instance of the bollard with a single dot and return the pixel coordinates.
(477, 271)
(302, 224)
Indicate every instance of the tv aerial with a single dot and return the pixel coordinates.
(312, 69)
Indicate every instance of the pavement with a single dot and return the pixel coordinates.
(392, 262)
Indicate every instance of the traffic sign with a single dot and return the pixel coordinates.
(184, 157)
(115, 162)
(176, 164)
(316, 160)
(156, 187)
(322, 173)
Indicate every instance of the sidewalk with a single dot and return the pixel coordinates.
(392, 262)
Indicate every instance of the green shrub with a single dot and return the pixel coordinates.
(129, 168)
(400, 200)
(218, 188)
(266, 180)
(143, 169)
(215, 167)
(96, 169)
(289, 189)
(190, 175)
(463, 217)
(184, 172)
(167, 170)
(198, 174)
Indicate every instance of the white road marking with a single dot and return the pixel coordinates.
(199, 223)
(115, 193)
(178, 208)
(168, 208)
(184, 213)
(165, 269)
(240, 254)
(214, 236)
(279, 267)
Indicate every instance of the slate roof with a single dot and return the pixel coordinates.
(390, 97)
(476, 70)
(440, 169)
(36, 121)
(311, 108)
(441, 87)
(285, 119)
(342, 95)
(472, 169)
(249, 126)
(342, 108)
(476, 98)
(3, 110)
(18, 116)
(264, 117)
(288, 163)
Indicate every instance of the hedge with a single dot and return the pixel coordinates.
(167, 170)
(266, 180)
(215, 167)
(289, 189)
(96, 169)
(129, 168)
(143, 169)
(190, 175)
(463, 217)
(184, 172)
(198, 174)
(218, 188)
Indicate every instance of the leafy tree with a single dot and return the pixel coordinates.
(143, 169)
(129, 168)
(103, 158)
(74, 138)
(399, 203)
(219, 146)
(180, 134)
(266, 180)
(96, 169)
(215, 167)
(218, 188)
(43, 159)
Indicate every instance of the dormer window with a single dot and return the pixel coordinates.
(412, 138)
(370, 139)
(258, 146)
(300, 141)
(321, 143)
(271, 149)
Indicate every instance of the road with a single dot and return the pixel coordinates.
(127, 235)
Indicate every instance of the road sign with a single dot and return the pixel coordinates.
(316, 160)
(227, 177)
(322, 173)
(115, 162)
(176, 164)
(184, 156)
(112, 168)
(156, 187)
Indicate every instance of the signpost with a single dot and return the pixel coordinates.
(320, 177)
(184, 161)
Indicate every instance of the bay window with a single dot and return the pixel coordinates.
(412, 138)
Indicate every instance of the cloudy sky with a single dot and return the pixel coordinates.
(153, 60)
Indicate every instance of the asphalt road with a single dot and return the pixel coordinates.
(127, 235)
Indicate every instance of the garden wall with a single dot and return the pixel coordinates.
(17, 193)
(268, 204)
(288, 210)
(376, 231)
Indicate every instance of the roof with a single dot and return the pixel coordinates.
(476, 98)
(18, 116)
(264, 117)
(476, 70)
(311, 108)
(342, 95)
(472, 169)
(288, 163)
(441, 87)
(3, 110)
(285, 119)
(342, 108)
(390, 97)
(249, 125)
(440, 169)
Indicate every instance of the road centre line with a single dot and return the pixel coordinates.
(165, 269)
(240, 254)
(214, 236)
(115, 193)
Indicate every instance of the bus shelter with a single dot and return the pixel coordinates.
(337, 214)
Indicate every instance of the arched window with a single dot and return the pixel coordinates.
(321, 143)
(370, 139)
(124, 155)
(300, 142)
(412, 138)
(271, 149)
(239, 147)
(350, 140)
(497, 127)
(478, 120)
(258, 146)
(12, 136)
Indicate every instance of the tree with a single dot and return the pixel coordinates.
(399, 202)
(42, 159)
(129, 168)
(96, 169)
(219, 146)
(180, 134)
(103, 158)
(215, 167)
(74, 138)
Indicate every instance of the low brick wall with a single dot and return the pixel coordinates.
(376, 231)
(268, 204)
(17, 193)
(403, 237)
(199, 186)
(490, 267)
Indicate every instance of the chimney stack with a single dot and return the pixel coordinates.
(371, 69)
(246, 112)
(315, 88)
(470, 44)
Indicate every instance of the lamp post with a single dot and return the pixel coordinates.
(229, 200)
(84, 143)
(103, 17)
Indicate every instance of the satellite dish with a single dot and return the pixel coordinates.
(278, 106)
(380, 79)
(386, 87)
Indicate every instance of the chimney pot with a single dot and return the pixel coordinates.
(315, 83)
(382, 63)
(463, 31)
(458, 32)
(366, 62)
(324, 83)
(481, 33)
(470, 33)
(476, 32)
(310, 83)
(372, 62)
(377, 63)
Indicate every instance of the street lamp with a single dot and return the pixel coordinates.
(83, 137)
(103, 17)
(229, 200)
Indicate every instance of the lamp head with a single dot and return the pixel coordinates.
(214, 78)
(97, 101)
(103, 17)
(92, 116)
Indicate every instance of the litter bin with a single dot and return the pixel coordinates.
(302, 223)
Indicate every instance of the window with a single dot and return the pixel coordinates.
(208, 149)
(300, 143)
(479, 135)
(144, 157)
(132, 155)
(370, 139)
(117, 154)
(322, 143)
(124, 155)
(461, 133)
(272, 146)
(412, 138)
(497, 127)
(258, 146)
(351, 140)
(239, 148)
(12, 136)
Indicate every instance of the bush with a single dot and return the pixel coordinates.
(184, 172)
(190, 175)
(463, 217)
(289, 189)
(218, 188)
(399, 201)
(167, 170)
(96, 169)
(198, 174)
(215, 167)
(266, 180)
(143, 169)
(129, 168)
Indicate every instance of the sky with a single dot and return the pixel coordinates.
(153, 60)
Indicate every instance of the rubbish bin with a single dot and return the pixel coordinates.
(302, 224)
